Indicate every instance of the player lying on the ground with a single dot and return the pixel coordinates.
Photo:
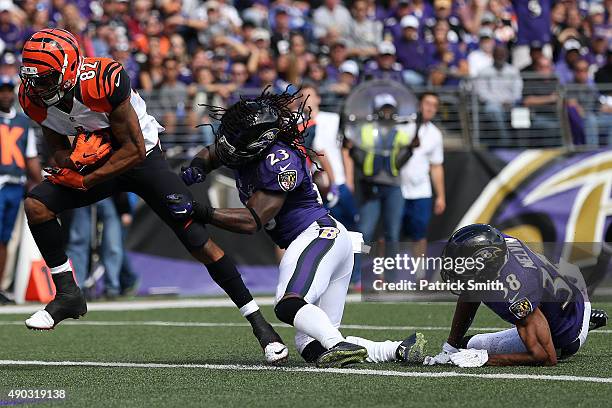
(547, 304)
(259, 139)
(71, 95)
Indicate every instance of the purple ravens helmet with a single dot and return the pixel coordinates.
(479, 242)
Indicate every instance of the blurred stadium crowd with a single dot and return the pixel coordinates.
(181, 53)
(485, 69)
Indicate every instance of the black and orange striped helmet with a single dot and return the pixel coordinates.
(51, 60)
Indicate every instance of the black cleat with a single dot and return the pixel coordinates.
(599, 318)
(412, 350)
(342, 354)
(69, 303)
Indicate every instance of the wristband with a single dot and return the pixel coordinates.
(203, 213)
(446, 347)
(255, 217)
(198, 162)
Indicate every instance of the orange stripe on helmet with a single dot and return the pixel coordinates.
(56, 49)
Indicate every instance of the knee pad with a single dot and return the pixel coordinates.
(287, 308)
(194, 236)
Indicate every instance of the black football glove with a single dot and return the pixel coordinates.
(182, 208)
(194, 173)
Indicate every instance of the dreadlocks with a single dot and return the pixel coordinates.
(246, 113)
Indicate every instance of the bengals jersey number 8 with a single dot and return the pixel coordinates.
(103, 85)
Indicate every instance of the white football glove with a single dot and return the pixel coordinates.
(470, 358)
(443, 357)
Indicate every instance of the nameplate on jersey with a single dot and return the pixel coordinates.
(521, 308)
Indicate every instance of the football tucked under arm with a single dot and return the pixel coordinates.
(90, 149)
(59, 148)
(127, 135)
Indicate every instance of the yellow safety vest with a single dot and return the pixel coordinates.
(368, 142)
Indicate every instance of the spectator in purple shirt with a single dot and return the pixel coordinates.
(378, 11)
(294, 15)
(392, 26)
(83, 5)
(423, 11)
(412, 52)
(336, 91)
(443, 10)
(597, 20)
(583, 105)
(385, 66)
(121, 53)
(338, 53)
(533, 17)
(565, 67)
(10, 33)
(448, 64)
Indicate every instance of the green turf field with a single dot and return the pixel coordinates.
(216, 349)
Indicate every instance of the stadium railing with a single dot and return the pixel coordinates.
(573, 115)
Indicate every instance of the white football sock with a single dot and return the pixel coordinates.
(249, 308)
(65, 267)
(378, 351)
(313, 321)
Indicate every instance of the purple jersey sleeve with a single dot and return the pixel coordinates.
(518, 304)
(531, 281)
(281, 170)
(522, 281)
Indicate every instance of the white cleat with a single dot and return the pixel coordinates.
(40, 320)
(276, 353)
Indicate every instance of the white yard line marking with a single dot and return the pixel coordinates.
(157, 323)
(172, 304)
(139, 305)
(356, 371)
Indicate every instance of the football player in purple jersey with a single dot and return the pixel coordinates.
(261, 141)
(547, 304)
